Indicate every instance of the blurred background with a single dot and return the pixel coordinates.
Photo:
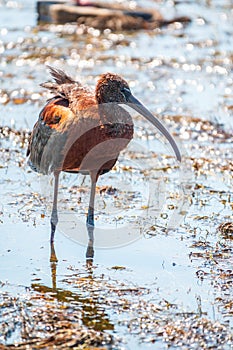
(172, 286)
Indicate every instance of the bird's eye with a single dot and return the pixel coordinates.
(126, 92)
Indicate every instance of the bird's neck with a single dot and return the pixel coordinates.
(112, 113)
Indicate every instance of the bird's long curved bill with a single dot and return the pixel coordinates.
(138, 106)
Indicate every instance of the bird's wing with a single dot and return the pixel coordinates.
(61, 124)
(49, 135)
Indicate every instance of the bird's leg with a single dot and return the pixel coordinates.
(90, 214)
(54, 217)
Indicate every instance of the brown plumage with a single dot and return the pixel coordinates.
(83, 131)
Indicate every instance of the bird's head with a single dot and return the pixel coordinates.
(111, 88)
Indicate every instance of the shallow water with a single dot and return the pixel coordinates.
(156, 242)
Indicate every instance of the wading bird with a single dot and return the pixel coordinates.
(80, 131)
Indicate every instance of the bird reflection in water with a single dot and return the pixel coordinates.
(93, 312)
(89, 256)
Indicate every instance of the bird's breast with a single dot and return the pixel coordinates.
(93, 145)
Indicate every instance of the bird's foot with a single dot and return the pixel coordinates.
(90, 248)
(90, 251)
(53, 221)
(90, 222)
(53, 229)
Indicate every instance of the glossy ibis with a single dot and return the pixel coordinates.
(81, 131)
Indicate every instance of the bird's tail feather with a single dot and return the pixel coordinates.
(60, 77)
(54, 87)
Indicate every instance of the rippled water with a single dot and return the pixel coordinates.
(183, 74)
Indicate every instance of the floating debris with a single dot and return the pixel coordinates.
(57, 318)
(113, 16)
(226, 229)
(109, 190)
(45, 325)
(19, 137)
